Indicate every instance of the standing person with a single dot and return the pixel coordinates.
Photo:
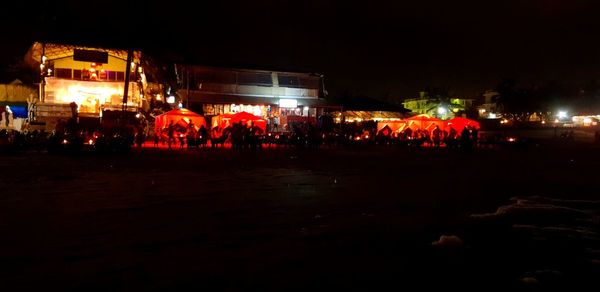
(171, 132)
(7, 116)
(436, 136)
(155, 140)
(465, 138)
(474, 136)
(276, 123)
(140, 136)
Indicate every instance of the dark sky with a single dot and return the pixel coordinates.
(379, 48)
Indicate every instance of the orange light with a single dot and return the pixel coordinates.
(91, 142)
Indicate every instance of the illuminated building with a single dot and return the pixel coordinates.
(93, 78)
(435, 106)
(292, 97)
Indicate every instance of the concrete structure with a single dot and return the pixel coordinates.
(268, 94)
(93, 78)
(489, 108)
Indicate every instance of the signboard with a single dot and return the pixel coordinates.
(288, 103)
(90, 56)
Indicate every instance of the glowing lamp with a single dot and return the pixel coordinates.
(562, 114)
(442, 111)
(288, 103)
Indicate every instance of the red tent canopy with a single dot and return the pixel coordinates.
(182, 117)
(424, 121)
(458, 124)
(395, 126)
(226, 120)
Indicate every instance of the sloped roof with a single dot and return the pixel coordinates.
(58, 51)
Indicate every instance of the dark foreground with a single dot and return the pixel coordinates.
(344, 219)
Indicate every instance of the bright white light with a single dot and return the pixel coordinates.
(171, 99)
(562, 114)
(158, 97)
(492, 115)
(587, 121)
(289, 103)
(180, 105)
(44, 58)
(442, 111)
(137, 115)
(305, 108)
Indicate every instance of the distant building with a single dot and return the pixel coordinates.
(490, 107)
(93, 78)
(438, 107)
(291, 96)
(16, 95)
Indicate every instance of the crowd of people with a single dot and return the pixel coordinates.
(69, 136)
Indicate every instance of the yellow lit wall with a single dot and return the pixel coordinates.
(89, 95)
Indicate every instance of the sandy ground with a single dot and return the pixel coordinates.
(285, 219)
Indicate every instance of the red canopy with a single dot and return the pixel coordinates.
(226, 120)
(458, 124)
(182, 117)
(424, 121)
(395, 126)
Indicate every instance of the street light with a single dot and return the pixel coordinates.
(442, 111)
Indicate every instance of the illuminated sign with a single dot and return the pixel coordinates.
(290, 103)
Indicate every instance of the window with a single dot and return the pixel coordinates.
(262, 79)
(309, 82)
(63, 73)
(120, 76)
(288, 81)
(111, 75)
(225, 77)
(77, 74)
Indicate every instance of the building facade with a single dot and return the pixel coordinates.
(443, 108)
(92, 78)
(288, 96)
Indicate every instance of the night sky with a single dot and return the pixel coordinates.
(378, 48)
